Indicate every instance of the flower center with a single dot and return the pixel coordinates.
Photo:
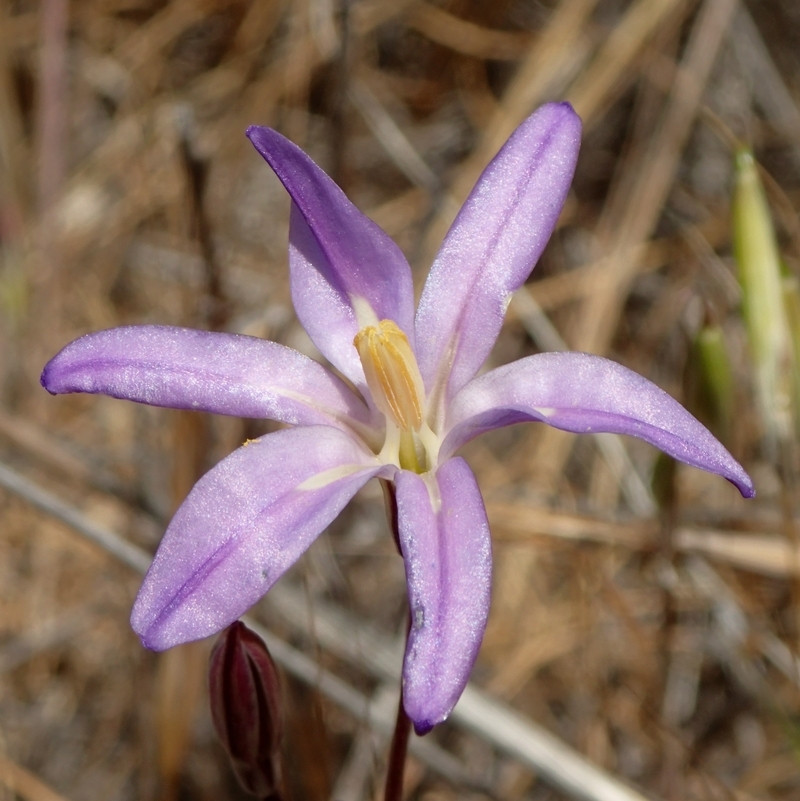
(394, 380)
(392, 374)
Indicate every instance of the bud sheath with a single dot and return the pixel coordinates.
(244, 690)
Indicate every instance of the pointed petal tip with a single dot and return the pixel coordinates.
(743, 483)
(160, 631)
(44, 379)
(423, 727)
(562, 113)
(563, 106)
(265, 139)
(727, 467)
(148, 635)
(558, 128)
(253, 131)
(54, 377)
(262, 139)
(154, 644)
(337, 257)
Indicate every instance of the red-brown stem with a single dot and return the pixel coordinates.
(397, 755)
(402, 727)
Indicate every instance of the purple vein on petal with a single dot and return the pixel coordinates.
(242, 526)
(337, 255)
(230, 374)
(493, 245)
(444, 537)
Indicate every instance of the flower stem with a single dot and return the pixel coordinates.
(402, 727)
(397, 755)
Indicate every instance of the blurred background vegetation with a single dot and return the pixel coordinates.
(643, 613)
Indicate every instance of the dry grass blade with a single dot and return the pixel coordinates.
(49, 504)
(53, 103)
(24, 784)
(554, 760)
(394, 141)
(552, 57)
(49, 635)
(602, 78)
(465, 37)
(767, 554)
(772, 93)
(654, 175)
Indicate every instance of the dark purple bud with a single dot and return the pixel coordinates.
(244, 689)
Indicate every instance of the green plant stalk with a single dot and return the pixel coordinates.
(717, 377)
(791, 296)
(759, 267)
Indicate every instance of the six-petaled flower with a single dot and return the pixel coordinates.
(413, 399)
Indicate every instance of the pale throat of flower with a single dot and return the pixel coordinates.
(394, 380)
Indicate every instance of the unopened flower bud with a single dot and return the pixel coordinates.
(244, 690)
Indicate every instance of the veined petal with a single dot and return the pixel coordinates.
(342, 264)
(223, 373)
(492, 247)
(242, 526)
(583, 393)
(444, 537)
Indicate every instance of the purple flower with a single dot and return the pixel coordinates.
(416, 401)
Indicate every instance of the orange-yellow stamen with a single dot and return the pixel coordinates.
(392, 373)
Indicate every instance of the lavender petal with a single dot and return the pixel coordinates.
(242, 526)
(223, 373)
(444, 537)
(583, 393)
(492, 247)
(339, 258)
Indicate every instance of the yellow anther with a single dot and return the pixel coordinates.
(392, 373)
